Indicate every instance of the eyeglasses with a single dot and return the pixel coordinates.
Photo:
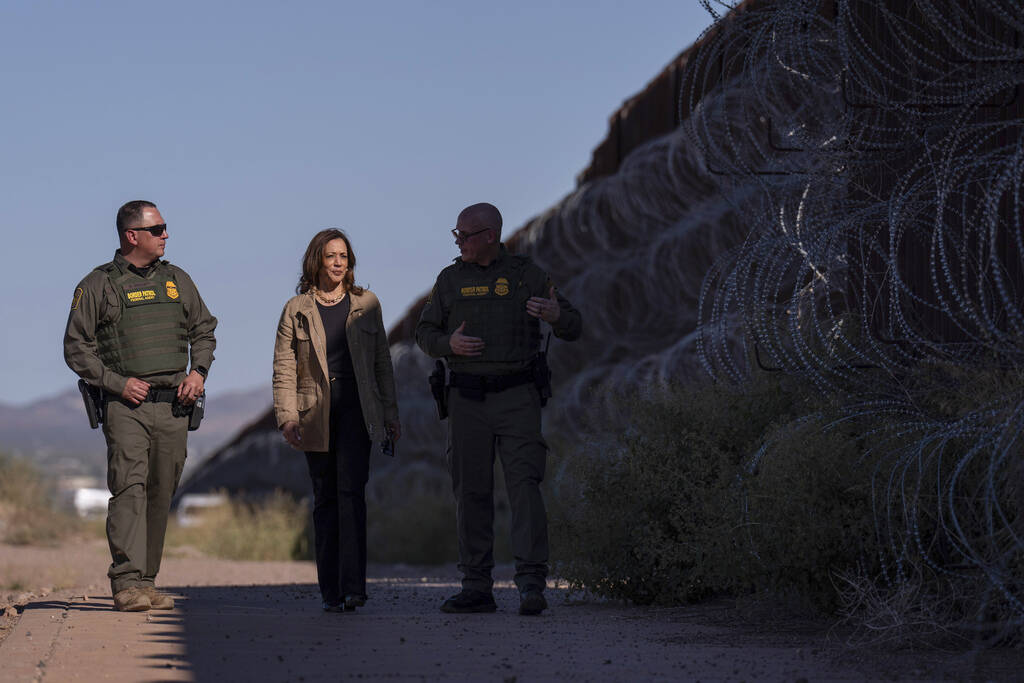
(154, 230)
(463, 236)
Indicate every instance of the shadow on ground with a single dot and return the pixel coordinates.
(278, 632)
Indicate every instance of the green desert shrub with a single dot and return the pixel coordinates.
(272, 528)
(901, 514)
(716, 490)
(807, 512)
(656, 508)
(420, 530)
(29, 512)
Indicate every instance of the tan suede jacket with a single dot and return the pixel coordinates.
(301, 384)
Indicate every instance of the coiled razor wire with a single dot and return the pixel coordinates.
(885, 142)
(842, 203)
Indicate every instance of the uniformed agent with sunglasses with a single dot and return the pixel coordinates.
(139, 332)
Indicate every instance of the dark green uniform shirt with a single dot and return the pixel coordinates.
(433, 331)
(95, 304)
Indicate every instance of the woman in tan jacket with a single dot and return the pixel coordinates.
(334, 398)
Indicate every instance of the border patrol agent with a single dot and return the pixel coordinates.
(483, 316)
(136, 325)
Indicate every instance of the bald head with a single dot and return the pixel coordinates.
(480, 216)
(478, 233)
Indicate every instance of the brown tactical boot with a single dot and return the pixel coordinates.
(131, 600)
(158, 599)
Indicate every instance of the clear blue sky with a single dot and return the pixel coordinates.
(254, 124)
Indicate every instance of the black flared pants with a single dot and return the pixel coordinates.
(339, 499)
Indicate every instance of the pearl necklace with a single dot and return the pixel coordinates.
(324, 300)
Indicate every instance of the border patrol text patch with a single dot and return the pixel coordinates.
(141, 295)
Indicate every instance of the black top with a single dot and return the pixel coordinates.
(339, 360)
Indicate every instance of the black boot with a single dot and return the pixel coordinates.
(532, 601)
(469, 601)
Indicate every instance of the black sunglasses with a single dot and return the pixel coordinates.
(463, 236)
(154, 230)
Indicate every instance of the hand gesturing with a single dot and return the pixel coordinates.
(547, 309)
(464, 345)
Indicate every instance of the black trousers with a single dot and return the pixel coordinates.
(339, 498)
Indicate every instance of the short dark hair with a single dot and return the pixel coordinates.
(131, 212)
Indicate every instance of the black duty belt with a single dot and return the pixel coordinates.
(161, 396)
(486, 384)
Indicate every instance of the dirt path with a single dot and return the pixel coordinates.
(262, 621)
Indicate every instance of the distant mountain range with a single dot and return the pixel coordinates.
(54, 432)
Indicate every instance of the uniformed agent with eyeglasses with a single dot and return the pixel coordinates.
(483, 316)
(139, 332)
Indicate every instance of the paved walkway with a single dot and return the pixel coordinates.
(274, 630)
(278, 633)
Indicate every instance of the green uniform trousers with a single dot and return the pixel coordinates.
(145, 457)
(509, 421)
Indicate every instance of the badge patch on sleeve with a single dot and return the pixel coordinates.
(77, 298)
(172, 289)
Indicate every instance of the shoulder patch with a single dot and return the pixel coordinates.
(77, 298)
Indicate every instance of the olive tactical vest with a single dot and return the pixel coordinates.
(493, 304)
(151, 336)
